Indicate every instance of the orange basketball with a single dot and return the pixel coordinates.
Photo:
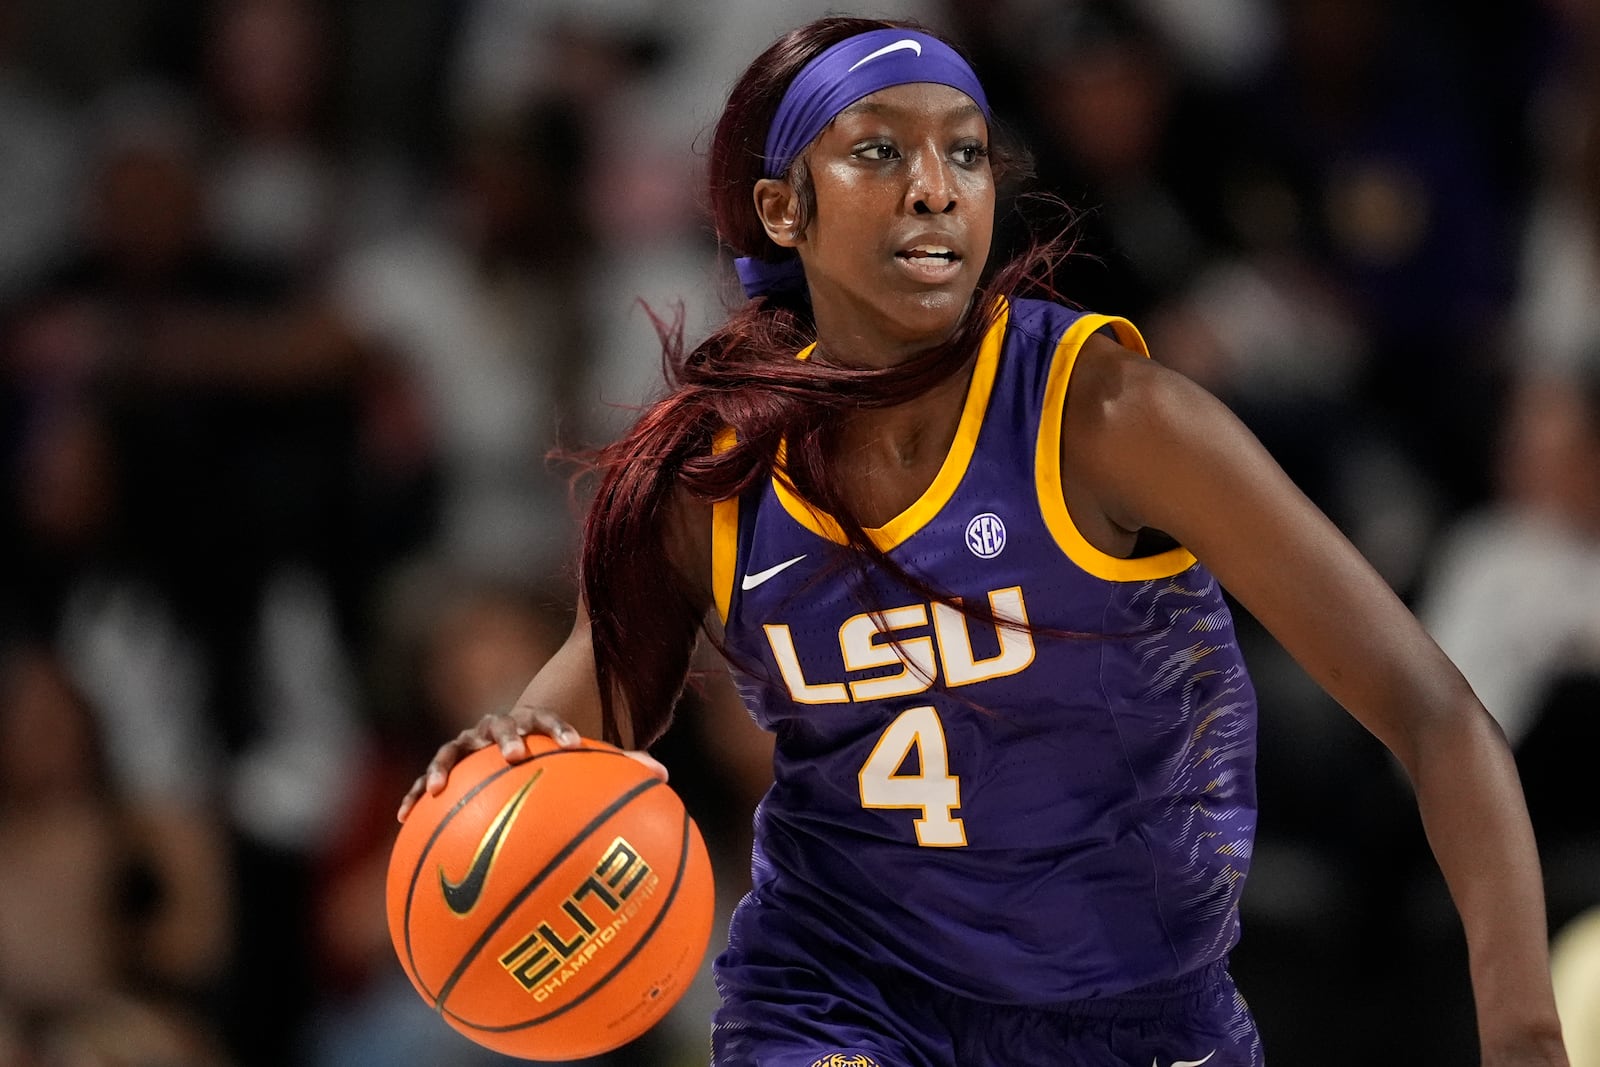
(552, 909)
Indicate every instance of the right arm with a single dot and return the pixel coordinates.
(563, 699)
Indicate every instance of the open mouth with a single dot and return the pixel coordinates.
(930, 264)
(929, 255)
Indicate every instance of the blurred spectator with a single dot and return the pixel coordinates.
(612, 71)
(230, 541)
(108, 899)
(1514, 596)
(293, 178)
(1223, 42)
(481, 302)
(77, 51)
(275, 188)
(228, 411)
(126, 1032)
(38, 156)
(510, 53)
(1558, 302)
(1359, 131)
(1119, 137)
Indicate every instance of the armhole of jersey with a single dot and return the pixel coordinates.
(724, 539)
(1047, 465)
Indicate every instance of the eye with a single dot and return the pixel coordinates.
(879, 152)
(970, 155)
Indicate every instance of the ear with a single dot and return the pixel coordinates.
(776, 208)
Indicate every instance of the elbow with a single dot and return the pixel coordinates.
(1444, 727)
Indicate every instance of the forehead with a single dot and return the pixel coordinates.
(917, 102)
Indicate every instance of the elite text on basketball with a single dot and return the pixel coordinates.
(545, 959)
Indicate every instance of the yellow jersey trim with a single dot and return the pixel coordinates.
(922, 510)
(724, 538)
(1047, 465)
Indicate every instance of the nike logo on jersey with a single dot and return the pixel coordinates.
(753, 580)
(462, 896)
(1185, 1063)
(898, 46)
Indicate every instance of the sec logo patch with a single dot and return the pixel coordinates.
(846, 1059)
(986, 535)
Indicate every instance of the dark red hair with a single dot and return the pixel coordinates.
(744, 377)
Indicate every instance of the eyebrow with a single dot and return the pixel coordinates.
(961, 111)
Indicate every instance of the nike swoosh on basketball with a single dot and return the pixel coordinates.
(462, 896)
(753, 580)
(1185, 1063)
(898, 46)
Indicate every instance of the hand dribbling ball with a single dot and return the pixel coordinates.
(551, 909)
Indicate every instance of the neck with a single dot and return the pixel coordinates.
(905, 434)
(851, 335)
(865, 351)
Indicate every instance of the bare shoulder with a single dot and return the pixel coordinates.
(1117, 391)
(1130, 427)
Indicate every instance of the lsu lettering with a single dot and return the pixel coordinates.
(547, 957)
(920, 657)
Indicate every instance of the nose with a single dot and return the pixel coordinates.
(931, 190)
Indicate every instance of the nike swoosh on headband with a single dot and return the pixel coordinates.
(461, 897)
(898, 46)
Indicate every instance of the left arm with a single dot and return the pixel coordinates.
(1153, 449)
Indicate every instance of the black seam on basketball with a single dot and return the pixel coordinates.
(455, 809)
(505, 913)
(666, 906)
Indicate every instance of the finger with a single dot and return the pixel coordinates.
(409, 801)
(508, 736)
(657, 768)
(556, 727)
(447, 757)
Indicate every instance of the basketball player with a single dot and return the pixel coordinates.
(964, 551)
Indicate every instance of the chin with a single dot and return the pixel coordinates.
(933, 315)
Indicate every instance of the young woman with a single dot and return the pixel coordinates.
(963, 552)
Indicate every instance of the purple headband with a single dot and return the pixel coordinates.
(855, 67)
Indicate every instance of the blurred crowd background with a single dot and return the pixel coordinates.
(296, 296)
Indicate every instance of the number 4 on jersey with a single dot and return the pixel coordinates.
(933, 790)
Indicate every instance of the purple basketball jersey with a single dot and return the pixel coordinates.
(1017, 817)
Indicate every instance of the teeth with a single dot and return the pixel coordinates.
(929, 250)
